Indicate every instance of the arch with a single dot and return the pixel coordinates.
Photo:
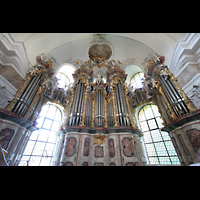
(158, 144)
(136, 80)
(68, 72)
(116, 78)
(102, 91)
(48, 42)
(41, 146)
(131, 70)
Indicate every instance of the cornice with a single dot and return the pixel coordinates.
(13, 53)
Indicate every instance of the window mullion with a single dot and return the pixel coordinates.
(151, 135)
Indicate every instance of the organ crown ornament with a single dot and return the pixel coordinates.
(99, 139)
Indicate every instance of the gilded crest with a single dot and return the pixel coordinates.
(99, 139)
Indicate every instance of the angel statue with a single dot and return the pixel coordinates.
(98, 78)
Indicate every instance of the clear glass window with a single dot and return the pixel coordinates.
(160, 149)
(40, 148)
(136, 80)
(63, 80)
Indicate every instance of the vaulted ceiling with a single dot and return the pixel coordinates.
(63, 46)
(134, 47)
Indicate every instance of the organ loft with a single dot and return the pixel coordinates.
(98, 125)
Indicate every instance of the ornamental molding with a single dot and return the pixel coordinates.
(13, 53)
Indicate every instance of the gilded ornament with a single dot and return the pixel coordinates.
(116, 80)
(155, 102)
(150, 62)
(36, 110)
(167, 102)
(99, 139)
(127, 103)
(93, 102)
(83, 79)
(105, 111)
(114, 107)
(70, 107)
(84, 106)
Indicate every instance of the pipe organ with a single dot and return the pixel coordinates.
(100, 126)
(99, 119)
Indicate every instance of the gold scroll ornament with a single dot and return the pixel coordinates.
(99, 139)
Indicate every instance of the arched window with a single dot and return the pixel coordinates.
(63, 80)
(40, 148)
(160, 149)
(136, 80)
(64, 76)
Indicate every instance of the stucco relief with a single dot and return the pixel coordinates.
(5, 137)
(194, 137)
(128, 147)
(70, 148)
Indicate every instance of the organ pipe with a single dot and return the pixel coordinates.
(179, 96)
(110, 115)
(121, 107)
(25, 98)
(99, 118)
(118, 107)
(121, 104)
(78, 103)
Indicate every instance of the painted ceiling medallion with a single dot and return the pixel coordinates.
(102, 51)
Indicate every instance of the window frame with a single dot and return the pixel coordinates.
(46, 142)
(133, 82)
(66, 79)
(155, 144)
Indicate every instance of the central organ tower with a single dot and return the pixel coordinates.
(99, 129)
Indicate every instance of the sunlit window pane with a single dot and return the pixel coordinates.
(52, 136)
(159, 122)
(45, 161)
(29, 147)
(141, 116)
(155, 111)
(34, 135)
(55, 126)
(51, 112)
(152, 124)
(144, 126)
(147, 137)
(43, 135)
(47, 124)
(160, 149)
(156, 135)
(57, 116)
(63, 80)
(149, 113)
(40, 148)
(136, 80)
(49, 149)
(34, 160)
(40, 121)
(44, 110)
